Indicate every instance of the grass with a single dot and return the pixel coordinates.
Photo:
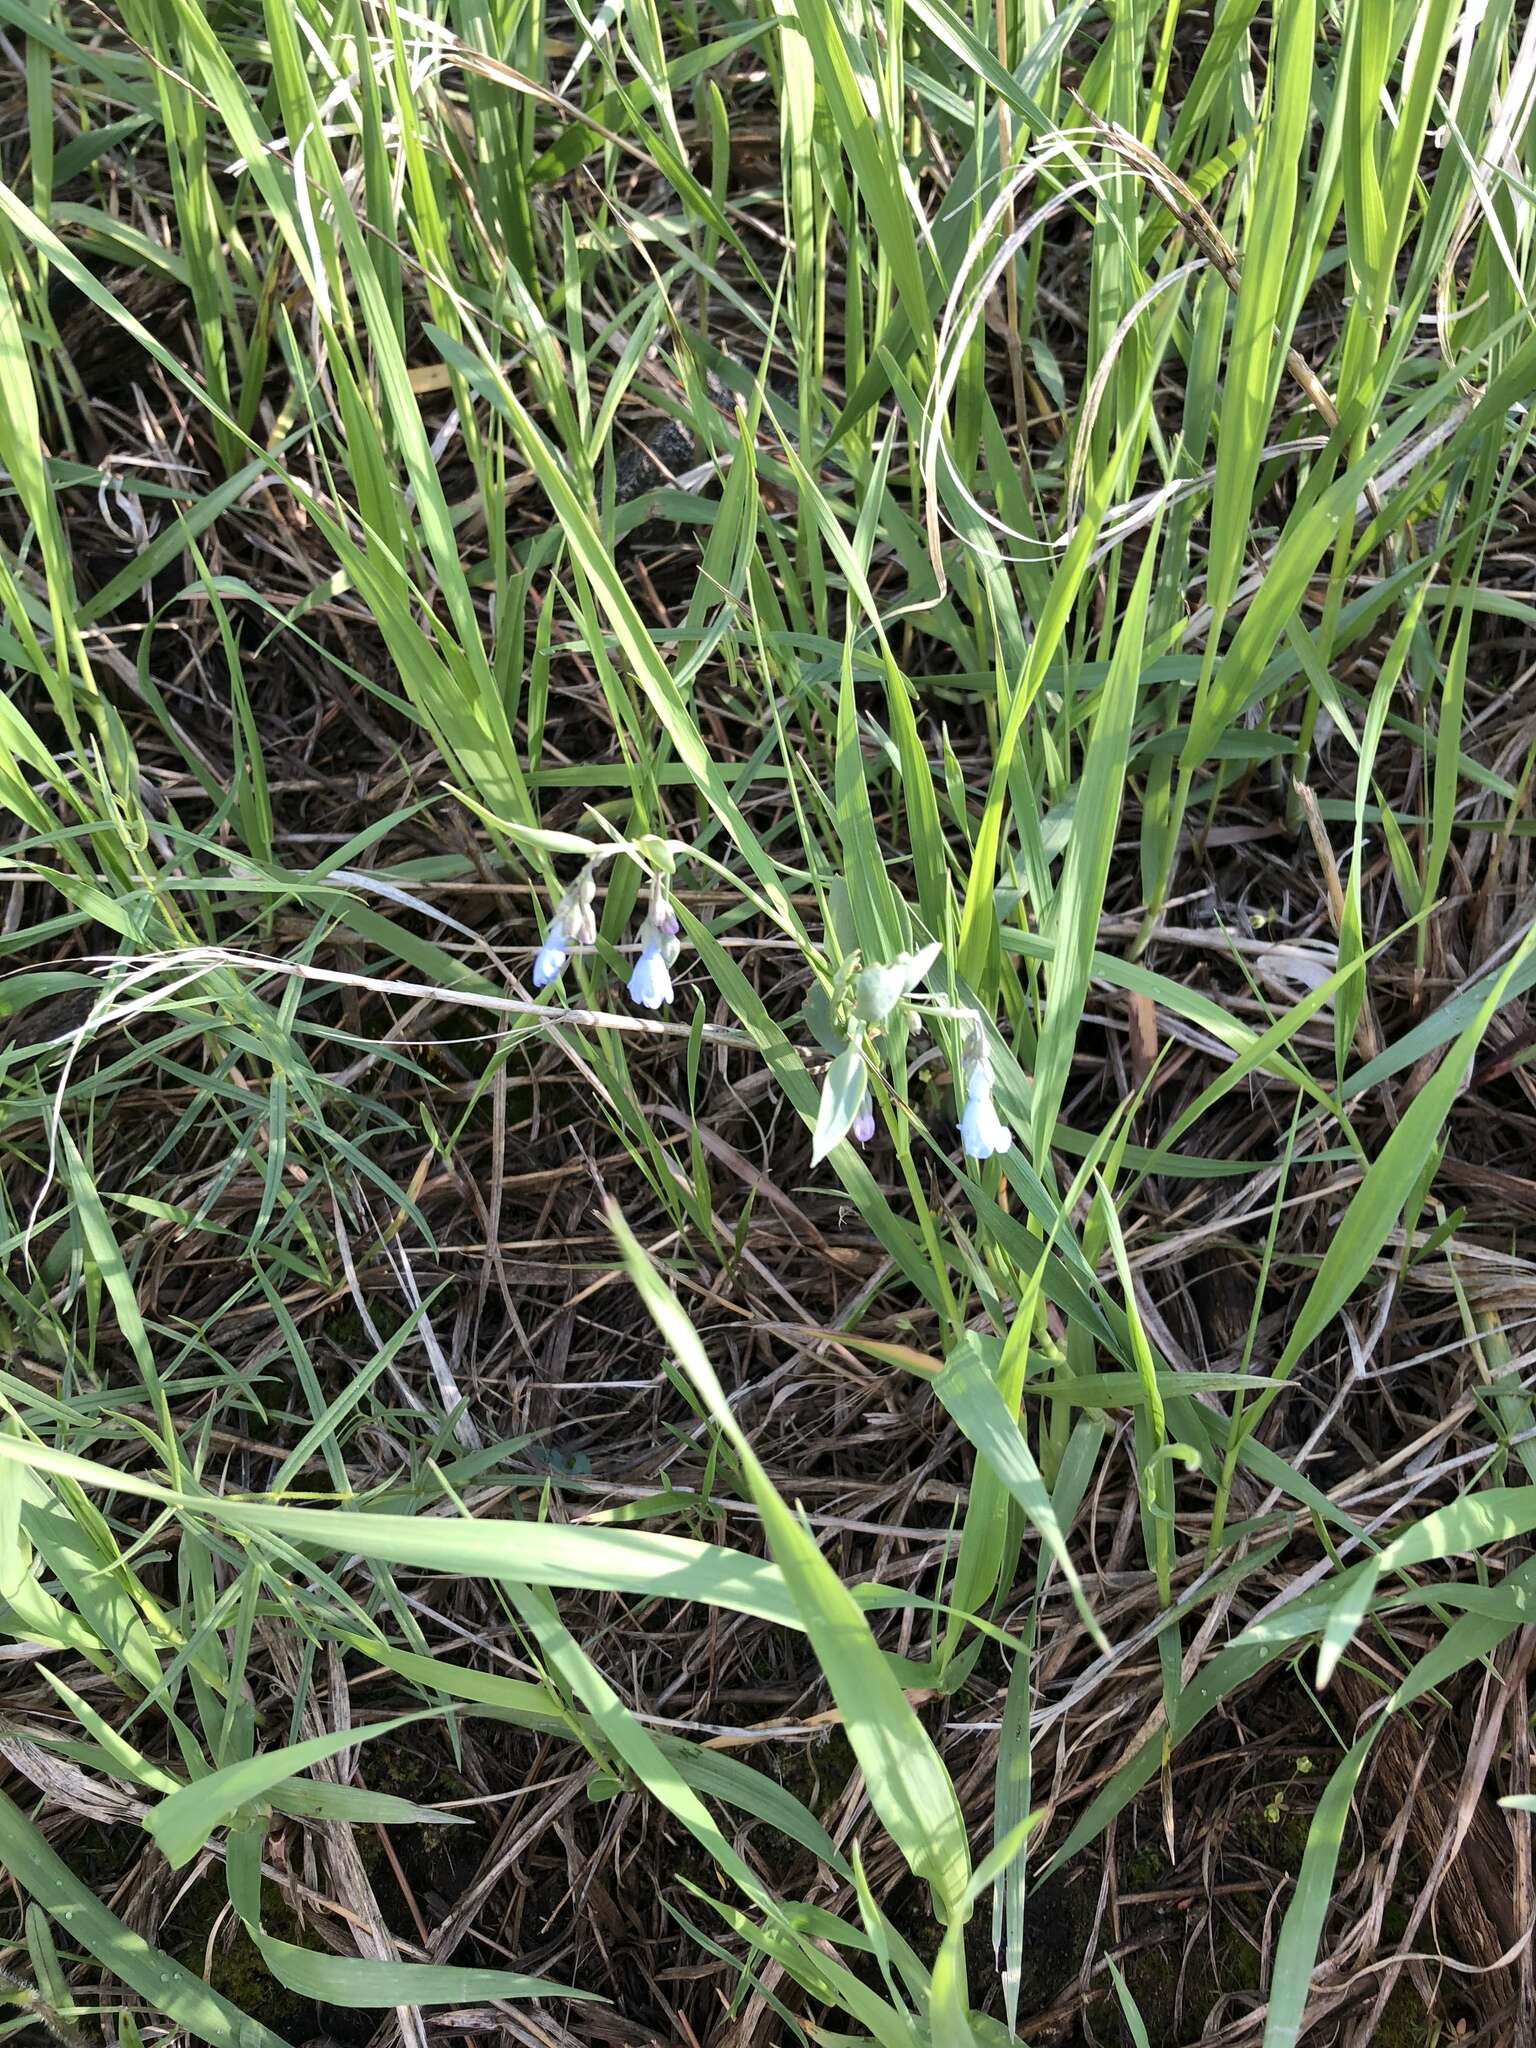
(766, 1236)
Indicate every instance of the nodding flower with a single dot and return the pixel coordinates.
(552, 958)
(573, 924)
(864, 1122)
(650, 984)
(982, 1130)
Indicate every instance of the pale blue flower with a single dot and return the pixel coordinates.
(552, 958)
(982, 1130)
(864, 1122)
(573, 924)
(650, 985)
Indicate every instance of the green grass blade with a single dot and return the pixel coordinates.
(182, 1823)
(163, 1984)
(908, 1785)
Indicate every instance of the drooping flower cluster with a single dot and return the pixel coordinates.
(573, 924)
(854, 1018)
(982, 1130)
(650, 985)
